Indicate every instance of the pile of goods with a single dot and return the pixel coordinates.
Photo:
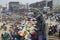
(27, 28)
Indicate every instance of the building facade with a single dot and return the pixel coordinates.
(42, 4)
(14, 6)
(56, 3)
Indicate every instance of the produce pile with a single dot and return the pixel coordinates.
(27, 28)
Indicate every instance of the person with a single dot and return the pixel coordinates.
(2, 36)
(40, 37)
(18, 37)
(55, 28)
(50, 32)
(5, 28)
(2, 26)
(59, 33)
(5, 36)
(10, 35)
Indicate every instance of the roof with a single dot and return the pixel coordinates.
(13, 2)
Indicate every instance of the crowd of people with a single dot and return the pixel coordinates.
(26, 30)
(52, 29)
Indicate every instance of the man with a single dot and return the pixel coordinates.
(2, 36)
(59, 33)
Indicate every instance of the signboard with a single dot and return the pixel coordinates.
(47, 9)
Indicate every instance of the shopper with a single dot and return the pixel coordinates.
(59, 33)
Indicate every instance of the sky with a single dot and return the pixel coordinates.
(4, 2)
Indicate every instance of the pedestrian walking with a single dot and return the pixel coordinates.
(2, 36)
(59, 33)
